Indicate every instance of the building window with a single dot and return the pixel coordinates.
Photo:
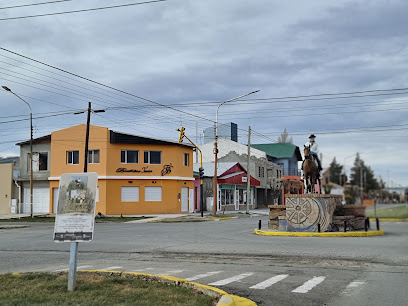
(129, 157)
(72, 157)
(261, 172)
(93, 156)
(153, 194)
(152, 157)
(40, 161)
(130, 194)
(186, 156)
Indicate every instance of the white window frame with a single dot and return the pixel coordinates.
(72, 158)
(186, 158)
(149, 159)
(126, 156)
(151, 194)
(125, 195)
(91, 156)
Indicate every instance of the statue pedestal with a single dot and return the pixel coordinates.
(305, 211)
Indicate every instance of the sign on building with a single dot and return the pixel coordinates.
(75, 213)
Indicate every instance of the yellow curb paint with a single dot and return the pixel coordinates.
(390, 219)
(226, 299)
(313, 234)
(224, 218)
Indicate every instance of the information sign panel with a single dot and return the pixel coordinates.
(75, 215)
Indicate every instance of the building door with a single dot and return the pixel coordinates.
(55, 191)
(184, 199)
(41, 200)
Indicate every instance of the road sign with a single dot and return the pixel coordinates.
(75, 215)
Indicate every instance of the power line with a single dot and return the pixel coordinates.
(84, 10)
(41, 3)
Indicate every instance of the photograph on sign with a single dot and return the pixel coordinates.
(75, 213)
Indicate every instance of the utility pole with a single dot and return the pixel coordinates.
(248, 173)
(215, 183)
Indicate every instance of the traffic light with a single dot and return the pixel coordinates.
(201, 172)
(181, 134)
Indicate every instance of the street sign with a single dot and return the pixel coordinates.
(75, 215)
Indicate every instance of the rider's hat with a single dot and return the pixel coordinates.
(312, 136)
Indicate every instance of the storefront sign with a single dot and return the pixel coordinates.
(244, 179)
(75, 213)
(125, 170)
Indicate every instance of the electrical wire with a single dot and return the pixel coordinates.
(33, 4)
(83, 10)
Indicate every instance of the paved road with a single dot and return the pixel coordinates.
(225, 254)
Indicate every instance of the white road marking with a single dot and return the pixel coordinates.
(173, 272)
(309, 285)
(351, 287)
(111, 268)
(143, 270)
(78, 268)
(269, 282)
(195, 277)
(231, 279)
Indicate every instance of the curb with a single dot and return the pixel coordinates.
(225, 298)
(390, 219)
(313, 234)
(191, 220)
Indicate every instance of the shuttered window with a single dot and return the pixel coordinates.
(130, 194)
(153, 193)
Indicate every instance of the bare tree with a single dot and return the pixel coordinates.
(284, 137)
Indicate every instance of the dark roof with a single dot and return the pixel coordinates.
(9, 160)
(279, 150)
(43, 139)
(116, 137)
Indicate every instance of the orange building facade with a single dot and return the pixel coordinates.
(136, 175)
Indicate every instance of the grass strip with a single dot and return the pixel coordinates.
(93, 289)
(389, 212)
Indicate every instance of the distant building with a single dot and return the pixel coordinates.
(227, 130)
(9, 170)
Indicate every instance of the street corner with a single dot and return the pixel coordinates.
(315, 234)
(225, 299)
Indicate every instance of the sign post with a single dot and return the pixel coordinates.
(75, 215)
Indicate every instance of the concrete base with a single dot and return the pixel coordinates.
(305, 211)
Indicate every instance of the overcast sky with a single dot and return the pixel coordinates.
(191, 55)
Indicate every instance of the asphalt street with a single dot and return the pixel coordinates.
(226, 254)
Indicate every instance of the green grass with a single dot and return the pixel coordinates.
(52, 219)
(389, 212)
(92, 289)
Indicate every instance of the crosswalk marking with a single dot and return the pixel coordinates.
(309, 285)
(269, 282)
(353, 285)
(231, 279)
(195, 277)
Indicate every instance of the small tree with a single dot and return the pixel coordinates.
(336, 175)
(284, 137)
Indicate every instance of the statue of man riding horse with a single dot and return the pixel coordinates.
(311, 171)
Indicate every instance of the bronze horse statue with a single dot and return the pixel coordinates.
(310, 172)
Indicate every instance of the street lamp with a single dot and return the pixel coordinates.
(215, 202)
(31, 147)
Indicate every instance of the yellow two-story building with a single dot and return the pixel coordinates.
(136, 175)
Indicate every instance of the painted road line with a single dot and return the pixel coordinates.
(269, 282)
(111, 268)
(143, 270)
(309, 285)
(352, 286)
(195, 277)
(78, 268)
(231, 279)
(173, 272)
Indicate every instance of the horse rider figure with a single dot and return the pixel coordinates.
(314, 149)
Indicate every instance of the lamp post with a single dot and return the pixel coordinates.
(215, 202)
(31, 148)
